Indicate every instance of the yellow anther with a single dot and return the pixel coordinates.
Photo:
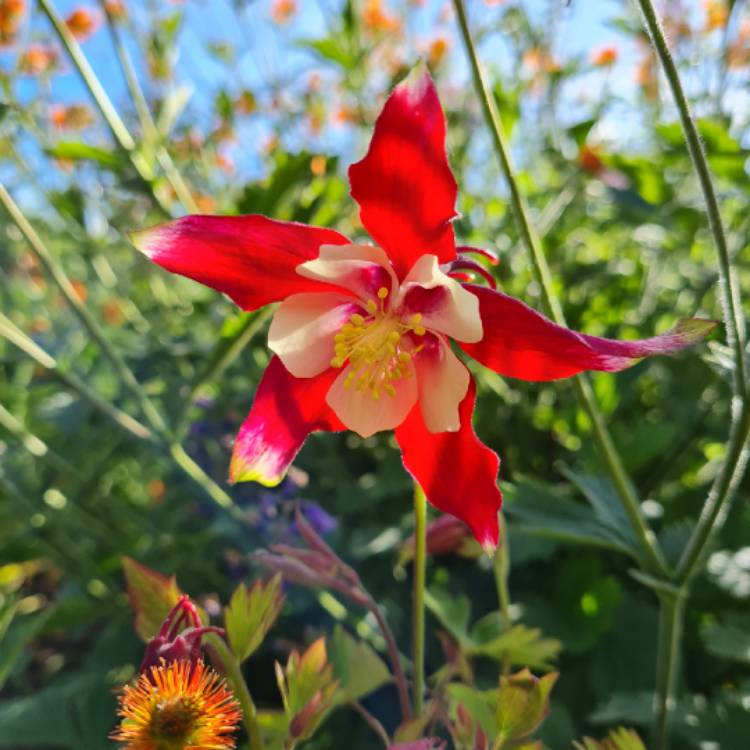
(376, 394)
(404, 356)
(414, 319)
(419, 330)
(389, 389)
(356, 320)
(382, 292)
(394, 337)
(337, 362)
(372, 306)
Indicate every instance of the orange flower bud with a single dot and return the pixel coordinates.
(82, 23)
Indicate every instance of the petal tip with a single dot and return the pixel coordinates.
(243, 471)
(693, 330)
(146, 240)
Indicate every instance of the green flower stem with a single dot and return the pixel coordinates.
(34, 445)
(671, 619)
(189, 467)
(501, 569)
(420, 564)
(10, 332)
(117, 127)
(233, 673)
(144, 115)
(733, 320)
(716, 508)
(652, 557)
(88, 321)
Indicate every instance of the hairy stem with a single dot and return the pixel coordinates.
(733, 320)
(233, 673)
(671, 616)
(652, 557)
(420, 564)
(395, 658)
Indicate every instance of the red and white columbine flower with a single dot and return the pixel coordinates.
(362, 337)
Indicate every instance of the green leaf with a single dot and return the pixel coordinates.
(75, 151)
(358, 668)
(477, 703)
(333, 49)
(730, 640)
(251, 614)
(617, 739)
(522, 703)
(452, 611)
(152, 596)
(547, 512)
(523, 646)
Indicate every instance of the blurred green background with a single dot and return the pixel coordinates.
(236, 107)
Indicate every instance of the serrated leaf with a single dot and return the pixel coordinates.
(452, 611)
(617, 739)
(251, 614)
(542, 511)
(522, 703)
(358, 668)
(521, 645)
(152, 595)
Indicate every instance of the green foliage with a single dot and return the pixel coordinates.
(250, 615)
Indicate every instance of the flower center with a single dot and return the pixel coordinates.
(377, 347)
(173, 721)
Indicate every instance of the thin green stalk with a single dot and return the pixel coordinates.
(117, 127)
(144, 115)
(233, 673)
(221, 498)
(418, 618)
(88, 321)
(13, 334)
(501, 569)
(671, 619)
(33, 444)
(732, 307)
(716, 508)
(652, 557)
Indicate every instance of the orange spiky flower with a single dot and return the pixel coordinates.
(178, 706)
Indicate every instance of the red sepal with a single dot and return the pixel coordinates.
(457, 472)
(404, 185)
(519, 342)
(252, 259)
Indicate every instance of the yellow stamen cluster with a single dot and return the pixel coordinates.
(178, 706)
(376, 347)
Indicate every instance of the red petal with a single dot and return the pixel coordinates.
(521, 343)
(285, 411)
(404, 186)
(456, 470)
(250, 258)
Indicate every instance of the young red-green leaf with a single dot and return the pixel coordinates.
(251, 614)
(308, 690)
(617, 739)
(152, 595)
(522, 703)
(356, 665)
(412, 730)
(521, 645)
